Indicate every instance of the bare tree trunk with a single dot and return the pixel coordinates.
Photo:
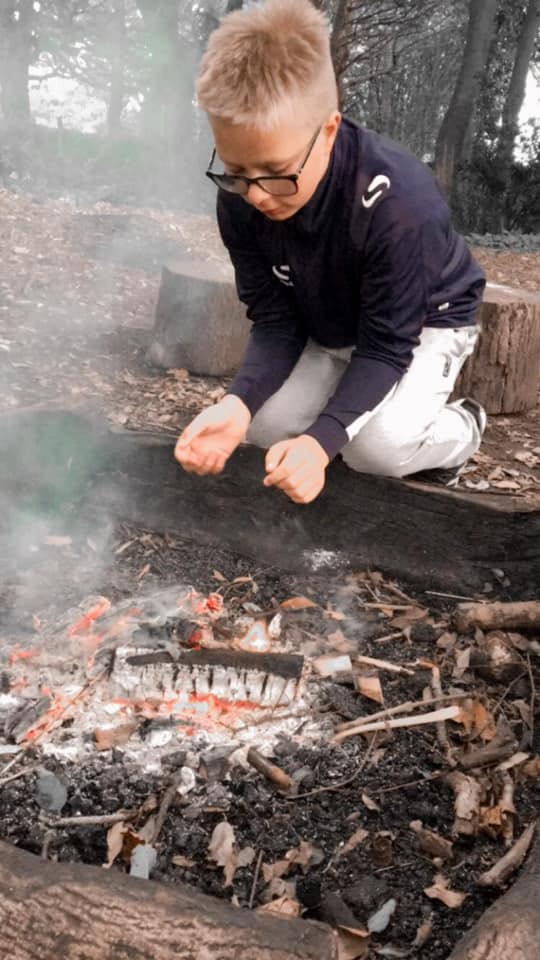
(453, 132)
(16, 41)
(116, 97)
(514, 99)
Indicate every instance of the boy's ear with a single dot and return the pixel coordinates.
(330, 129)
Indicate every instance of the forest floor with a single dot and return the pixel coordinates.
(78, 289)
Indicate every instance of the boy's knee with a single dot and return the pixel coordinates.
(383, 446)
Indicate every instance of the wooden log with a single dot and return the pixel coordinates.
(510, 928)
(200, 323)
(432, 538)
(504, 372)
(50, 911)
(497, 616)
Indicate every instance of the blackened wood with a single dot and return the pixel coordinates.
(50, 911)
(288, 666)
(510, 929)
(429, 537)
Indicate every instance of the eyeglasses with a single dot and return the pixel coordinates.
(278, 186)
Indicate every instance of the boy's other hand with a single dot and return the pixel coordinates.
(209, 440)
(297, 467)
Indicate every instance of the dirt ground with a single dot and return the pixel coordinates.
(78, 289)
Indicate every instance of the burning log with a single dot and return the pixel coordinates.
(51, 910)
(511, 927)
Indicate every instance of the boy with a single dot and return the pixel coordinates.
(362, 298)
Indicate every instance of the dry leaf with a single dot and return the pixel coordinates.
(180, 861)
(476, 719)
(275, 870)
(439, 891)
(531, 769)
(219, 577)
(338, 641)
(379, 920)
(430, 842)
(467, 792)
(352, 945)
(282, 907)
(297, 603)
(369, 803)
(115, 842)
(222, 849)
(370, 687)
(408, 617)
(354, 841)
(114, 736)
(306, 854)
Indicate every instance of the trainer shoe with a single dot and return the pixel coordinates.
(449, 476)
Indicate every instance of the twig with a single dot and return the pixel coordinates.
(387, 605)
(383, 665)
(533, 694)
(49, 835)
(442, 734)
(444, 713)
(255, 879)
(269, 770)
(166, 801)
(343, 783)
(452, 596)
(15, 776)
(409, 783)
(389, 636)
(11, 764)
(503, 868)
(401, 708)
(94, 820)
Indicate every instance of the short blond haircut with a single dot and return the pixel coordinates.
(269, 64)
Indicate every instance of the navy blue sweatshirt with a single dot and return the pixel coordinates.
(368, 262)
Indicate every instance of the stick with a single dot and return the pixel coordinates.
(503, 868)
(401, 708)
(166, 801)
(442, 735)
(97, 820)
(269, 770)
(489, 754)
(445, 713)
(15, 776)
(383, 665)
(255, 878)
(494, 616)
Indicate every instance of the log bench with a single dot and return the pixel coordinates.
(200, 325)
(431, 538)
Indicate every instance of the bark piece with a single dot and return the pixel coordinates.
(504, 372)
(51, 910)
(494, 616)
(200, 323)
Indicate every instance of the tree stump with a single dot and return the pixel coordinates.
(56, 911)
(504, 372)
(200, 323)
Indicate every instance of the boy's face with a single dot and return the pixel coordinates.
(250, 152)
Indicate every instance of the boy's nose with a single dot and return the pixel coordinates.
(258, 197)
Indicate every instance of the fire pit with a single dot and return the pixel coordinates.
(170, 708)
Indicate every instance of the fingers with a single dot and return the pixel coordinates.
(201, 462)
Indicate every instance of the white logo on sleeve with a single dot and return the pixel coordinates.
(283, 273)
(374, 192)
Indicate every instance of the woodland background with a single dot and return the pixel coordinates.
(446, 79)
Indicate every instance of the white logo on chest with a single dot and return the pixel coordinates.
(283, 273)
(374, 192)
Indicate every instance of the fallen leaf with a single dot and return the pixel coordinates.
(354, 841)
(222, 849)
(476, 719)
(439, 891)
(431, 843)
(275, 870)
(370, 687)
(115, 842)
(297, 603)
(109, 737)
(219, 577)
(282, 907)
(352, 945)
(306, 854)
(531, 769)
(369, 803)
(179, 861)
(409, 617)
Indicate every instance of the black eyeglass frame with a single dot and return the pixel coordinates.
(218, 178)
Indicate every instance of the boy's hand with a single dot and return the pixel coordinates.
(297, 467)
(209, 440)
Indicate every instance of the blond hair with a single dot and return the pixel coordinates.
(269, 64)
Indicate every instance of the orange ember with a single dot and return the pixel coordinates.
(84, 623)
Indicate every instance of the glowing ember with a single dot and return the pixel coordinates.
(256, 638)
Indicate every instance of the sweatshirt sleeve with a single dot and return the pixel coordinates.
(277, 338)
(395, 272)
